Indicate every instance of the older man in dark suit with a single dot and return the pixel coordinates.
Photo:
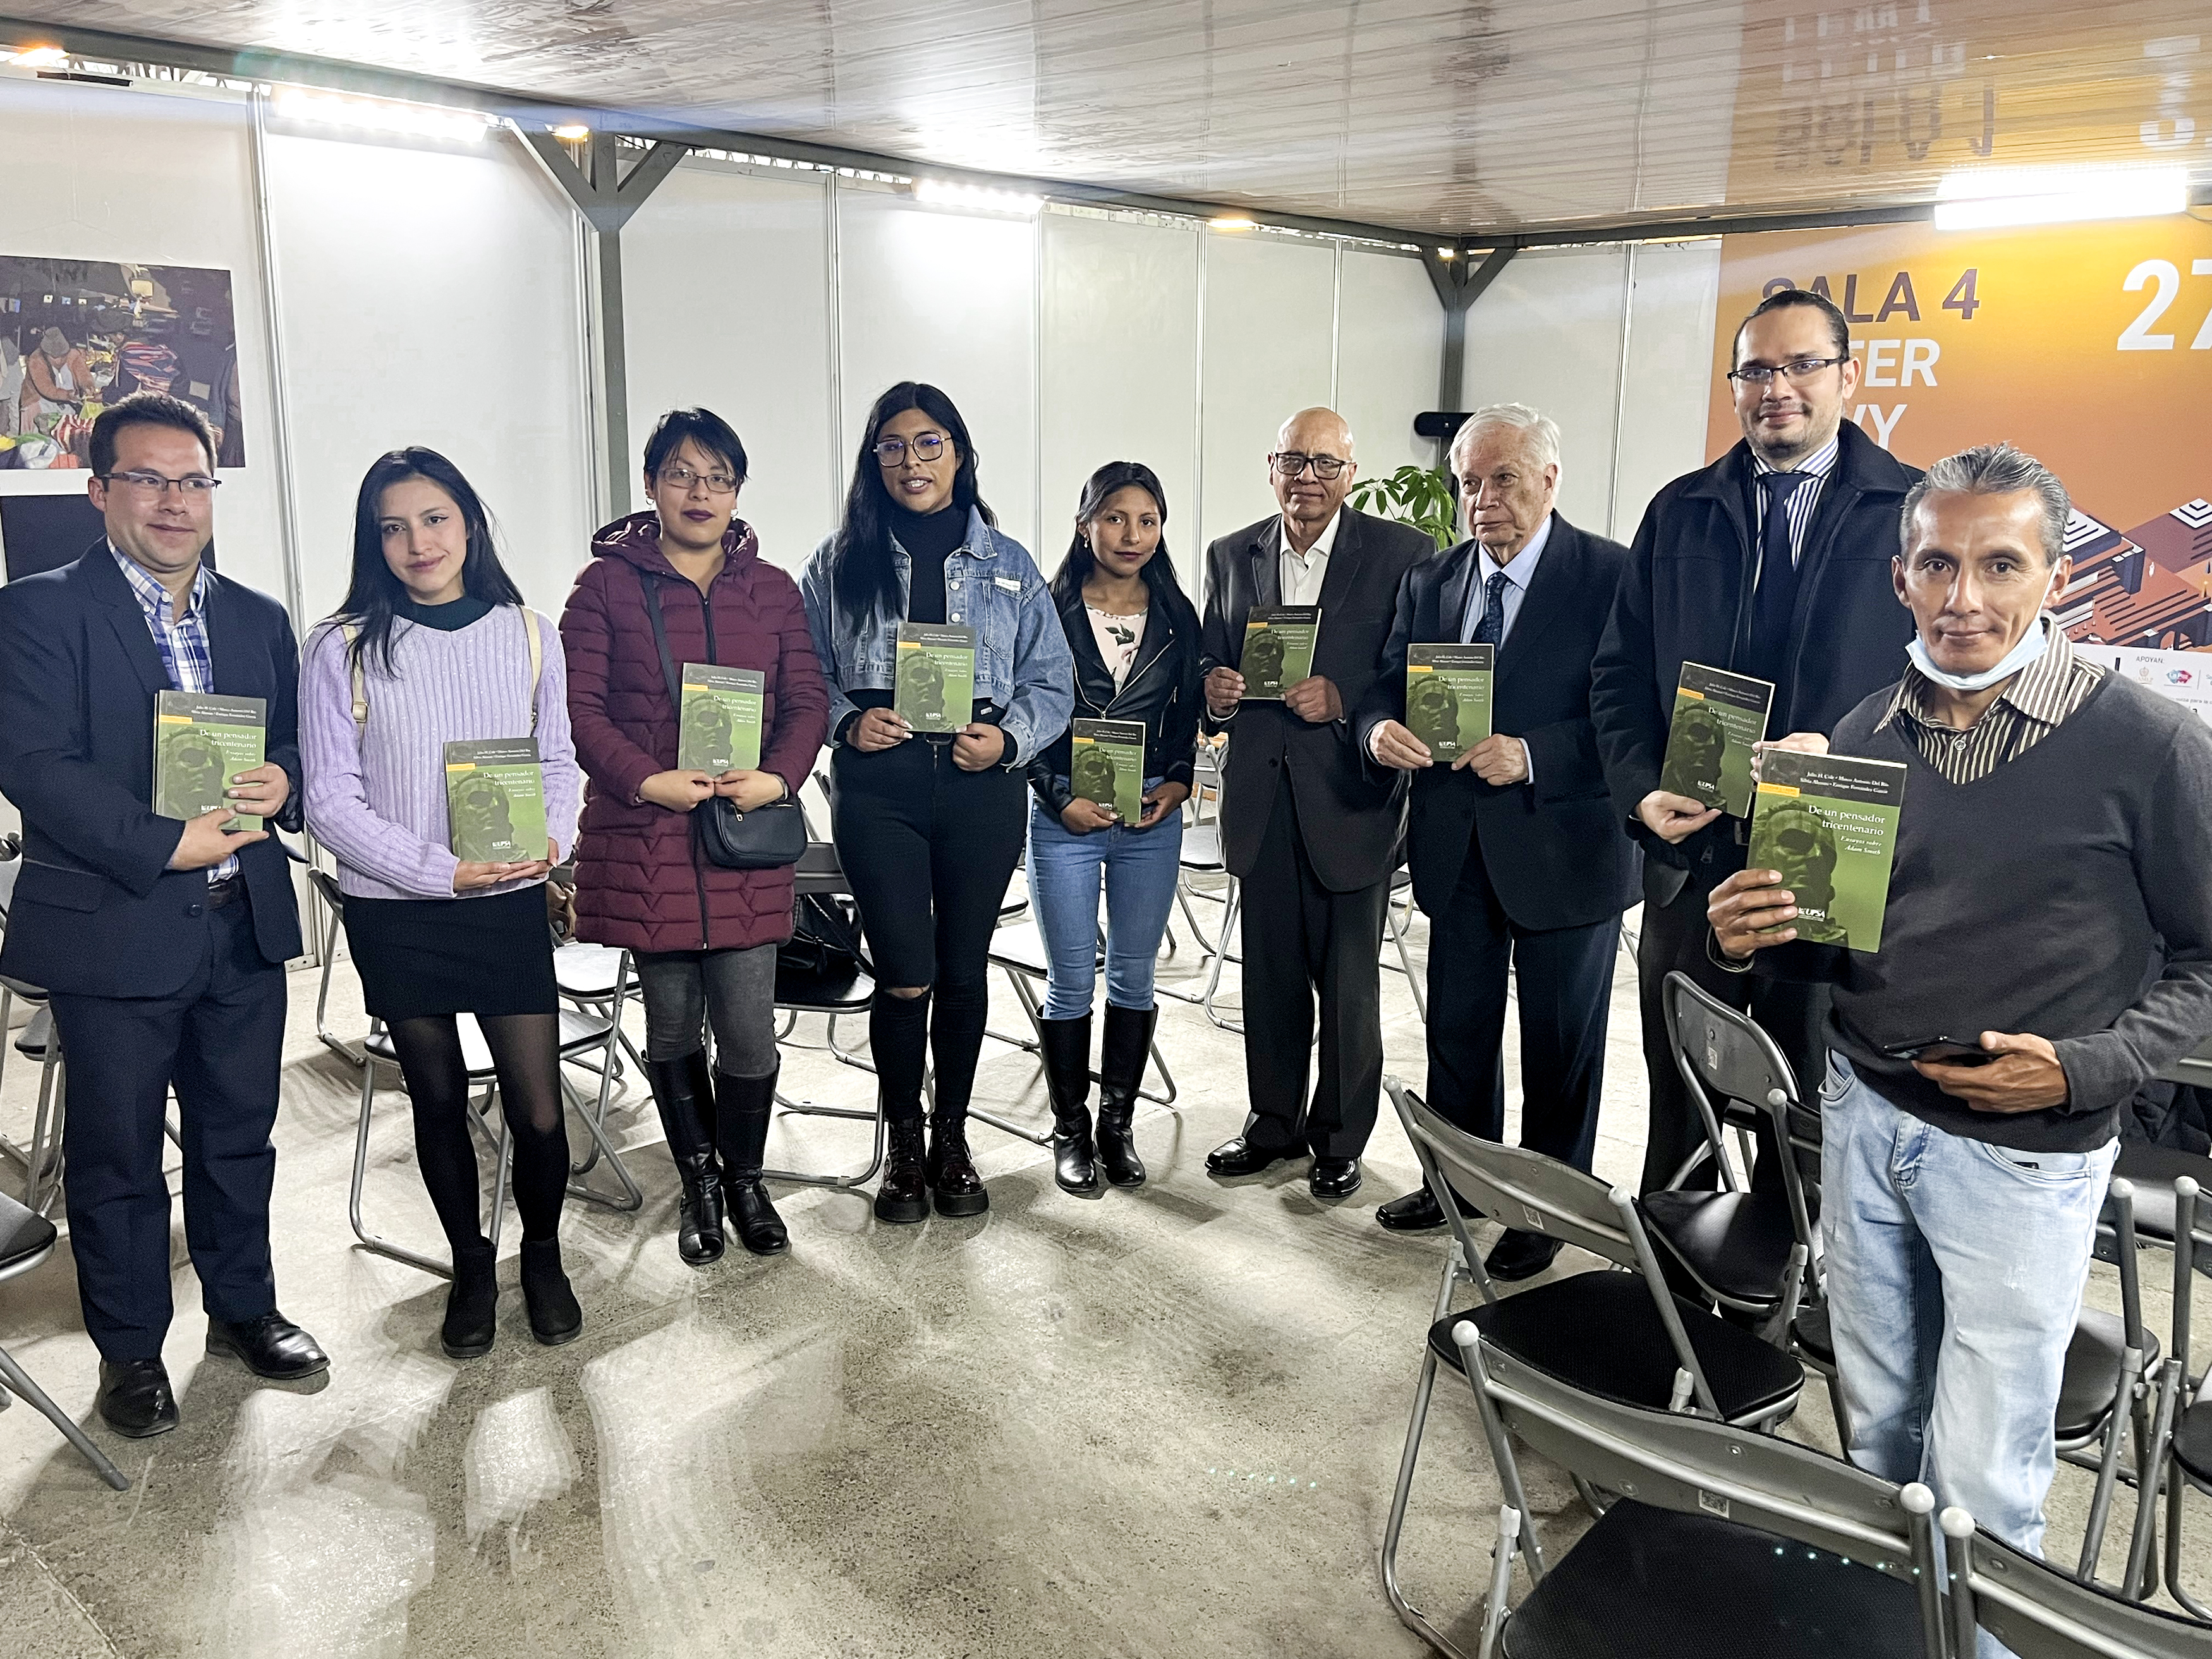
(163, 941)
(1309, 830)
(1517, 856)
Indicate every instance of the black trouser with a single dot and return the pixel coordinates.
(1300, 938)
(1563, 979)
(928, 849)
(220, 1040)
(1795, 1015)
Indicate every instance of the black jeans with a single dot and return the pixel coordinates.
(928, 850)
(732, 992)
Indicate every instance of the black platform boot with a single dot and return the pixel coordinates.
(555, 1318)
(683, 1090)
(904, 1193)
(1128, 1044)
(472, 1304)
(953, 1181)
(743, 1106)
(1066, 1045)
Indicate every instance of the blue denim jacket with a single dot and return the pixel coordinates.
(1023, 665)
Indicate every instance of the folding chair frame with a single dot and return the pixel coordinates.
(2038, 1612)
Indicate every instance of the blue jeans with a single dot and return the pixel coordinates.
(1954, 1277)
(1139, 868)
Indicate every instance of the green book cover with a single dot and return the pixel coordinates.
(200, 744)
(496, 802)
(1278, 647)
(1448, 697)
(1828, 823)
(1719, 717)
(720, 730)
(935, 687)
(1107, 765)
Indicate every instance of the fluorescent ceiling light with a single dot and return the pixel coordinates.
(38, 57)
(1230, 224)
(574, 133)
(385, 115)
(974, 198)
(1978, 199)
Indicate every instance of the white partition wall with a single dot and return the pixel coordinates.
(951, 299)
(1270, 351)
(725, 279)
(432, 297)
(1389, 341)
(1670, 365)
(1120, 351)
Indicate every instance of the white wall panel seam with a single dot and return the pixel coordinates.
(1336, 332)
(833, 262)
(280, 434)
(1198, 423)
(1620, 393)
(1036, 389)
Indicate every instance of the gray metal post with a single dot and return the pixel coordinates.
(1460, 282)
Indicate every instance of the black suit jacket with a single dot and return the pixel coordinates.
(1687, 597)
(1353, 821)
(97, 910)
(1554, 853)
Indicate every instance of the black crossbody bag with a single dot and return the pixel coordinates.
(771, 837)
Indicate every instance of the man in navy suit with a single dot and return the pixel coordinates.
(161, 941)
(1515, 851)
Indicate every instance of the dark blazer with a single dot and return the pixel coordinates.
(1552, 849)
(1353, 821)
(1164, 690)
(1687, 597)
(97, 912)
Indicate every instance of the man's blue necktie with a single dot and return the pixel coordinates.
(1777, 596)
(1490, 630)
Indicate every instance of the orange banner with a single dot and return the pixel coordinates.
(2088, 346)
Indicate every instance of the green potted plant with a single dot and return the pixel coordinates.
(1420, 497)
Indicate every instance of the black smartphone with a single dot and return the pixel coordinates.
(1942, 1050)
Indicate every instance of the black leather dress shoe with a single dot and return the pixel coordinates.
(1520, 1255)
(136, 1398)
(270, 1346)
(1416, 1212)
(1334, 1177)
(1240, 1157)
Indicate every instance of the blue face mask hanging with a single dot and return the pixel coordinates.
(2031, 645)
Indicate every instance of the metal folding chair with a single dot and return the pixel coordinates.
(27, 1239)
(41, 1157)
(843, 990)
(1725, 1541)
(2181, 1445)
(595, 979)
(1624, 1336)
(2039, 1612)
(1396, 926)
(1202, 856)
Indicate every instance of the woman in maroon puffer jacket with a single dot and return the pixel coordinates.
(703, 938)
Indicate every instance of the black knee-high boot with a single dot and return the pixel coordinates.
(1066, 1045)
(742, 1109)
(683, 1090)
(1127, 1045)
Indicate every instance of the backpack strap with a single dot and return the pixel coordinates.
(530, 623)
(352, 632)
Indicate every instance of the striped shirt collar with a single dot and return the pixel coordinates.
(1820, 462)
(153, 598)
(2039, 692)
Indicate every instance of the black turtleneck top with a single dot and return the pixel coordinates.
(929, 539)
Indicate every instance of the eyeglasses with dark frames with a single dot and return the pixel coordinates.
(1802, 369)
(927, 446)
(678, 475)
(153, 484)
(1289, 464)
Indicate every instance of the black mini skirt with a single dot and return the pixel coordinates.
(417, 957)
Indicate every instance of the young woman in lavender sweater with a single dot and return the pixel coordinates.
(433, 645)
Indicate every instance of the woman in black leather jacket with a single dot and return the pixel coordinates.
(1134, 637)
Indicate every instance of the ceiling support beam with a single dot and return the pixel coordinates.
(608, 197)
(1459, 282)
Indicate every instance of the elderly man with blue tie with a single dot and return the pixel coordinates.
(1515, 853)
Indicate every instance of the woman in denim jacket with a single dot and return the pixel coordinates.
(929, 826)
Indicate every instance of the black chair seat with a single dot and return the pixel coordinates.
(841, 987)
(1734, 1244)
(25, 1235)
(1600, 1332)
(1655, 1584)
(1815, 1336)
(2192, 1440)
(2153, 1171)
(2093, 1373)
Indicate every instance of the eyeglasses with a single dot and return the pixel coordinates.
(154, 484)
(1803, 369)
(926, 447)
(1290, 463)
(677, 476)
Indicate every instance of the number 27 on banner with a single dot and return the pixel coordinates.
(2163, 276)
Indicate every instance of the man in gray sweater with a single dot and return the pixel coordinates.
(2050, 912)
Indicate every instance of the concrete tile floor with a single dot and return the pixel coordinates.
(1147, 1424)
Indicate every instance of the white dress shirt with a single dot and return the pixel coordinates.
(1519, 571)
(1302, 574)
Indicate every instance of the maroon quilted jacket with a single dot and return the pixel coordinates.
(641, 882)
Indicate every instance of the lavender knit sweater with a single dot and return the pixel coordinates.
(376, 795)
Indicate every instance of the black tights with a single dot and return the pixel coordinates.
(527, 1057)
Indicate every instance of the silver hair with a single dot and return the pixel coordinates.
(1541, 431)
(1995, 470)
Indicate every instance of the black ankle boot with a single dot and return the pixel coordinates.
(952, 1178)
(1127, 1045)
(903, 1193)
(683, 1090)
(1067, 1046)
(741, 1108)
(472, 1304)
(555, 1318)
